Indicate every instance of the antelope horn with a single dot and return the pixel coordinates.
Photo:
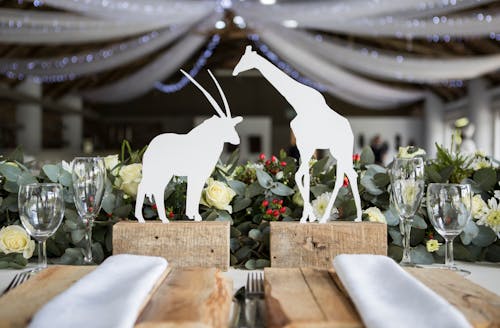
(212, 101)
(223, 96)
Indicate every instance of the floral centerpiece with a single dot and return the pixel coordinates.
(251, 195)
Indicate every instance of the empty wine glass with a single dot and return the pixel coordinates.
(449, 209)
(407, 183)
(89, 175)
(41, 209)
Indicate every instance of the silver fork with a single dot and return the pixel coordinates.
(254, 300)
(18, 280)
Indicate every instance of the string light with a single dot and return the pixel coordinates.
(200, 63)
(283, 65)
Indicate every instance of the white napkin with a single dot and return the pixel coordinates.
(109, 296)
(387, 296)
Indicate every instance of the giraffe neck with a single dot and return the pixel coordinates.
(287, 86)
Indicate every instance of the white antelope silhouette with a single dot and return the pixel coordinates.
(316, 126)
(193, 155)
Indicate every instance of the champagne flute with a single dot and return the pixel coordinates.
(41, 209)
(89, 175)
(407, 183)
(449, 209)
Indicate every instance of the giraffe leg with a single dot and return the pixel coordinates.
(139, 203)
(339, 180)
(302, 179)
(353, 182)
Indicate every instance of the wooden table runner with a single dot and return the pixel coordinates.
(183, 297)
(308, 297)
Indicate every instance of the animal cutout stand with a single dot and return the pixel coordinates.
(194, 156)
(316, 126)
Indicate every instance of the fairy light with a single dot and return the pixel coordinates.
(285, 67)
(199, 64)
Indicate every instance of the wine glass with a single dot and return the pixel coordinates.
(407, 183)
(449, 209)
(89, 175)
(41, 209)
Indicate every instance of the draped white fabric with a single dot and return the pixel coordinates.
(97, 61)
(143, 80)
(379, 63)
(22, 27)
(339, 82)
(151, 25)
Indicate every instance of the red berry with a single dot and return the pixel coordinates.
(154, 207)
(358, 157)
(275, 201)
(280, 201)
(274, 159)
(109, 215)
(170, 215)
(346, 182)
(262, 157)
(268, 162)
(276, 213)
(265, 202)
(283, 209)
(269, 212)
(283, 163)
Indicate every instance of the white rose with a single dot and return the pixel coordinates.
(478, 206)
(111, 161)
(375, 215)
(410, 152)
(130, 176)
(218, 195)
(14, 239)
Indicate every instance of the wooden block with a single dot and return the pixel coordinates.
(19, 305)
(480, 306)
(315, 245)
(306, 298)
(182, 243)
(189, 297)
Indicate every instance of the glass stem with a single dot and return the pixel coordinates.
(448, 259)
(42, 254)
(87, 259)
(406, 241)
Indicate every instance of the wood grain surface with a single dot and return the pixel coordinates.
(182, 243)
(295, 245)
(182, 297)
(311, 298)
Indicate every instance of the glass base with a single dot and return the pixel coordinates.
(407, 264)
(456, 269)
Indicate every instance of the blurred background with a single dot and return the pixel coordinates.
(80, 76)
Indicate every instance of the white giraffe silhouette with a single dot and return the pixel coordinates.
(193, 155)
(316, 126)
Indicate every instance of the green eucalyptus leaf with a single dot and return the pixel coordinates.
(282, 190)
(238, 187)
(262, 263)
(224, 216)
(392, 217)
(71, 256)
(255, 234)
(65, 178)
(11, 186)
(319, 166)
(381, 180)
(123, 211)
(254, 190)
(235, 233)
(395, 252)
(10, 171)
(77, 235)
(241, 204)
(108, 203)
(492, 253)
(418, 222)
(419, 255)
(319, 189)
(26, 178)
(265, 180)
(52, 172)
(470, 232)
(234, 244)
(97, 253)
(367, 156)
(242, 253)
(397, 238)
(485, 236)
(250, 264)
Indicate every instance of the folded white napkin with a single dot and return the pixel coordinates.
(109, 296)
(387, 296)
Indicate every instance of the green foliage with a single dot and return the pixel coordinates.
(265, 191)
